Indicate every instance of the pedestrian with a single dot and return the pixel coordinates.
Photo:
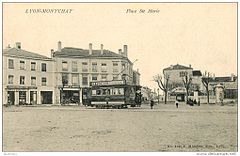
(176, 102)
(151, 104)
(199, 102)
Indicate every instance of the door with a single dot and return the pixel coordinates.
(11, 97)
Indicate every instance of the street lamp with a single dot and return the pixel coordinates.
(158, 95)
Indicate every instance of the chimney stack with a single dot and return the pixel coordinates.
(52, 53)
(190, 65)
(125, 50)
(120, 51)
(232, 77)
(59, 46)
(18, 45)
(101, 49)
(213, 76)
(90, 48)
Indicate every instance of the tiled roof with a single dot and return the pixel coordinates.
(77, 52)
(23, 54)
(197, 73)
(177, 67)
(223, 79)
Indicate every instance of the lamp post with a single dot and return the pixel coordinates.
(158, 95)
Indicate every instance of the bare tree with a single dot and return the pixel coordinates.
(205, 80)
(163, 85)
(187, 80)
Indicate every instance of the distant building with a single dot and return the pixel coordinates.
(229, 83)
(176, 74)
(28, 78)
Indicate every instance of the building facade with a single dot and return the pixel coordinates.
(28, 77)
(76, 68)
(176, 74)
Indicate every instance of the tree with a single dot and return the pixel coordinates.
(164, 86)
(205, 80)
(187, 80)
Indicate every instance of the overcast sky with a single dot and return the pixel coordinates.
(203, 35)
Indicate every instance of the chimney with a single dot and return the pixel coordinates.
(52, 53)
(59, 46)
(190, 65)
(213, 77)
(90, 48)
(120, 51)
(125, 50)
(18, 45)
(101, 49)
(232, 77)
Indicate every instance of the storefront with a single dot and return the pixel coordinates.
(70, 95)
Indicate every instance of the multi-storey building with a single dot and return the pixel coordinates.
(27, 77)
(30, 78)
(76, 68)
(176, 74)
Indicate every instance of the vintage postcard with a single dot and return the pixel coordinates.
(120, 77)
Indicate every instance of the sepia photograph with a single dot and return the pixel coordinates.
(120, 77)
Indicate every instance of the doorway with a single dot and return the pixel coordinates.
(46, 97)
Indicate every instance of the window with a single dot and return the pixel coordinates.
(117, 91)
(33, 66)
(94, 78)
(104, 77)
(84, 67)
(104, 67)
(22, 65)
(10, 64)
(115, 67)
(44, 67)
(75, 79)
(123, 66)
(33, 81)
(64, 79)
(183, 73)
(22, 80)
(10, 79)
(74, 66)
(115, 77)
(44, 81)
(64, 66)
(94, 67)
(84, 80)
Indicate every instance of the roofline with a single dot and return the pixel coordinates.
(24, 57)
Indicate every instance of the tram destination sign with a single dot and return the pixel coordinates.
(106, 83)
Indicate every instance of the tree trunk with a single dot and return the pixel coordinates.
(165, 98)
(207, 96)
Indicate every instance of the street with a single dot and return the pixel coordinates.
(210, 128)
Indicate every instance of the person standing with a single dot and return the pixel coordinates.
(176, 102)
(151, 104)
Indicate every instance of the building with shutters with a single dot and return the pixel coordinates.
(27, 77)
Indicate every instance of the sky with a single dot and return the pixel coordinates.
(201, 34)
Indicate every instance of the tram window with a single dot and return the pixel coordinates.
(106, 91)
(98, 92)
(94, 92)
(114, 91)
(120, 91)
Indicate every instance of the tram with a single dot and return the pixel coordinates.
(114, 94)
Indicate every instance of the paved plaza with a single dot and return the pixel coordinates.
(210, 128)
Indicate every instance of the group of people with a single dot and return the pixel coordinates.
(189, 101)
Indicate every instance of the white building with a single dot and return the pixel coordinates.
(27, 77)
(76, 68)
